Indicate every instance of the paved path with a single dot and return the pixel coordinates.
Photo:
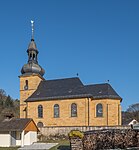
(38, 146)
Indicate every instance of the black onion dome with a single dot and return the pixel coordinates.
(32, 66)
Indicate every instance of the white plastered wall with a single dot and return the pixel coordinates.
(5, 139)
(30, 137)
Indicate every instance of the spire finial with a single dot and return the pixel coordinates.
(32, 29)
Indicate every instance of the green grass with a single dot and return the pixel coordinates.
(63, 145)
(9, 148)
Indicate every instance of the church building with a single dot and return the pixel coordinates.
(67, 101)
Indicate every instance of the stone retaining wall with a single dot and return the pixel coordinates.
(47, 131)
(106, 139)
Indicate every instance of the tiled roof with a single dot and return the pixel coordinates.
(102, 91)
(71, 88)
(14, 124)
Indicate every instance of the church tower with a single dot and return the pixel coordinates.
(32, 75)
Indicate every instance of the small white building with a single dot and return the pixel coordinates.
(17, 132)
(133, 122)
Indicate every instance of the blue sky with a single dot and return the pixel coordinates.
(97, 39)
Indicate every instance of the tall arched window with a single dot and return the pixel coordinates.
(73, 110)
(56, 111)
(40, 111)
(99, 110)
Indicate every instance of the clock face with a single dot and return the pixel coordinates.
(25, 87)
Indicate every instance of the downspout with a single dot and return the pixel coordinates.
(107, 114)
(27, 110)
(88, 113)
(118, 114)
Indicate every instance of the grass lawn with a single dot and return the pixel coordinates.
(63, 145)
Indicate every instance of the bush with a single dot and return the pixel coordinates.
(76, 133)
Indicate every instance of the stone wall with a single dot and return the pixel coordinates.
(86, 112)
(47, 131)
(76, 144)
(33, 82)
(64, 118)
(106, 139)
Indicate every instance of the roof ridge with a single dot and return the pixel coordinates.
(62, 79)
(97, 84)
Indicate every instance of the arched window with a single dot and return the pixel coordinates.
(56, 111)
(33, 56)
(40, 111)
(73, 110)
(99, 110)
(30, 56)
(39, 124)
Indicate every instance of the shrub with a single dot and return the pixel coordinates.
(76, 133)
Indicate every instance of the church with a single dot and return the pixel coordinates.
(65, 102)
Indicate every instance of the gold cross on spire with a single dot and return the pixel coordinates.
(32, 29)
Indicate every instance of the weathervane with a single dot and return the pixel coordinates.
(32, 28)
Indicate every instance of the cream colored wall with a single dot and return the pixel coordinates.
(111, 113)
(33, 82)
(110, 118)
(65, 118)
(5, 139)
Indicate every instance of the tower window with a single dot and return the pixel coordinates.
(40, 111)
(99, 110)
(30, 56)
(56, 111)
(73, 110)
(26, 85)
(33, 56)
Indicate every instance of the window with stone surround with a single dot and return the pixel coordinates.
(56, 111)
(99, 110)
(40, 111)
(73, 110)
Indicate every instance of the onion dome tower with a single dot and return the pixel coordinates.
(32, 66)
(31, 75)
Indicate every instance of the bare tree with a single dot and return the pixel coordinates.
(133, 111)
